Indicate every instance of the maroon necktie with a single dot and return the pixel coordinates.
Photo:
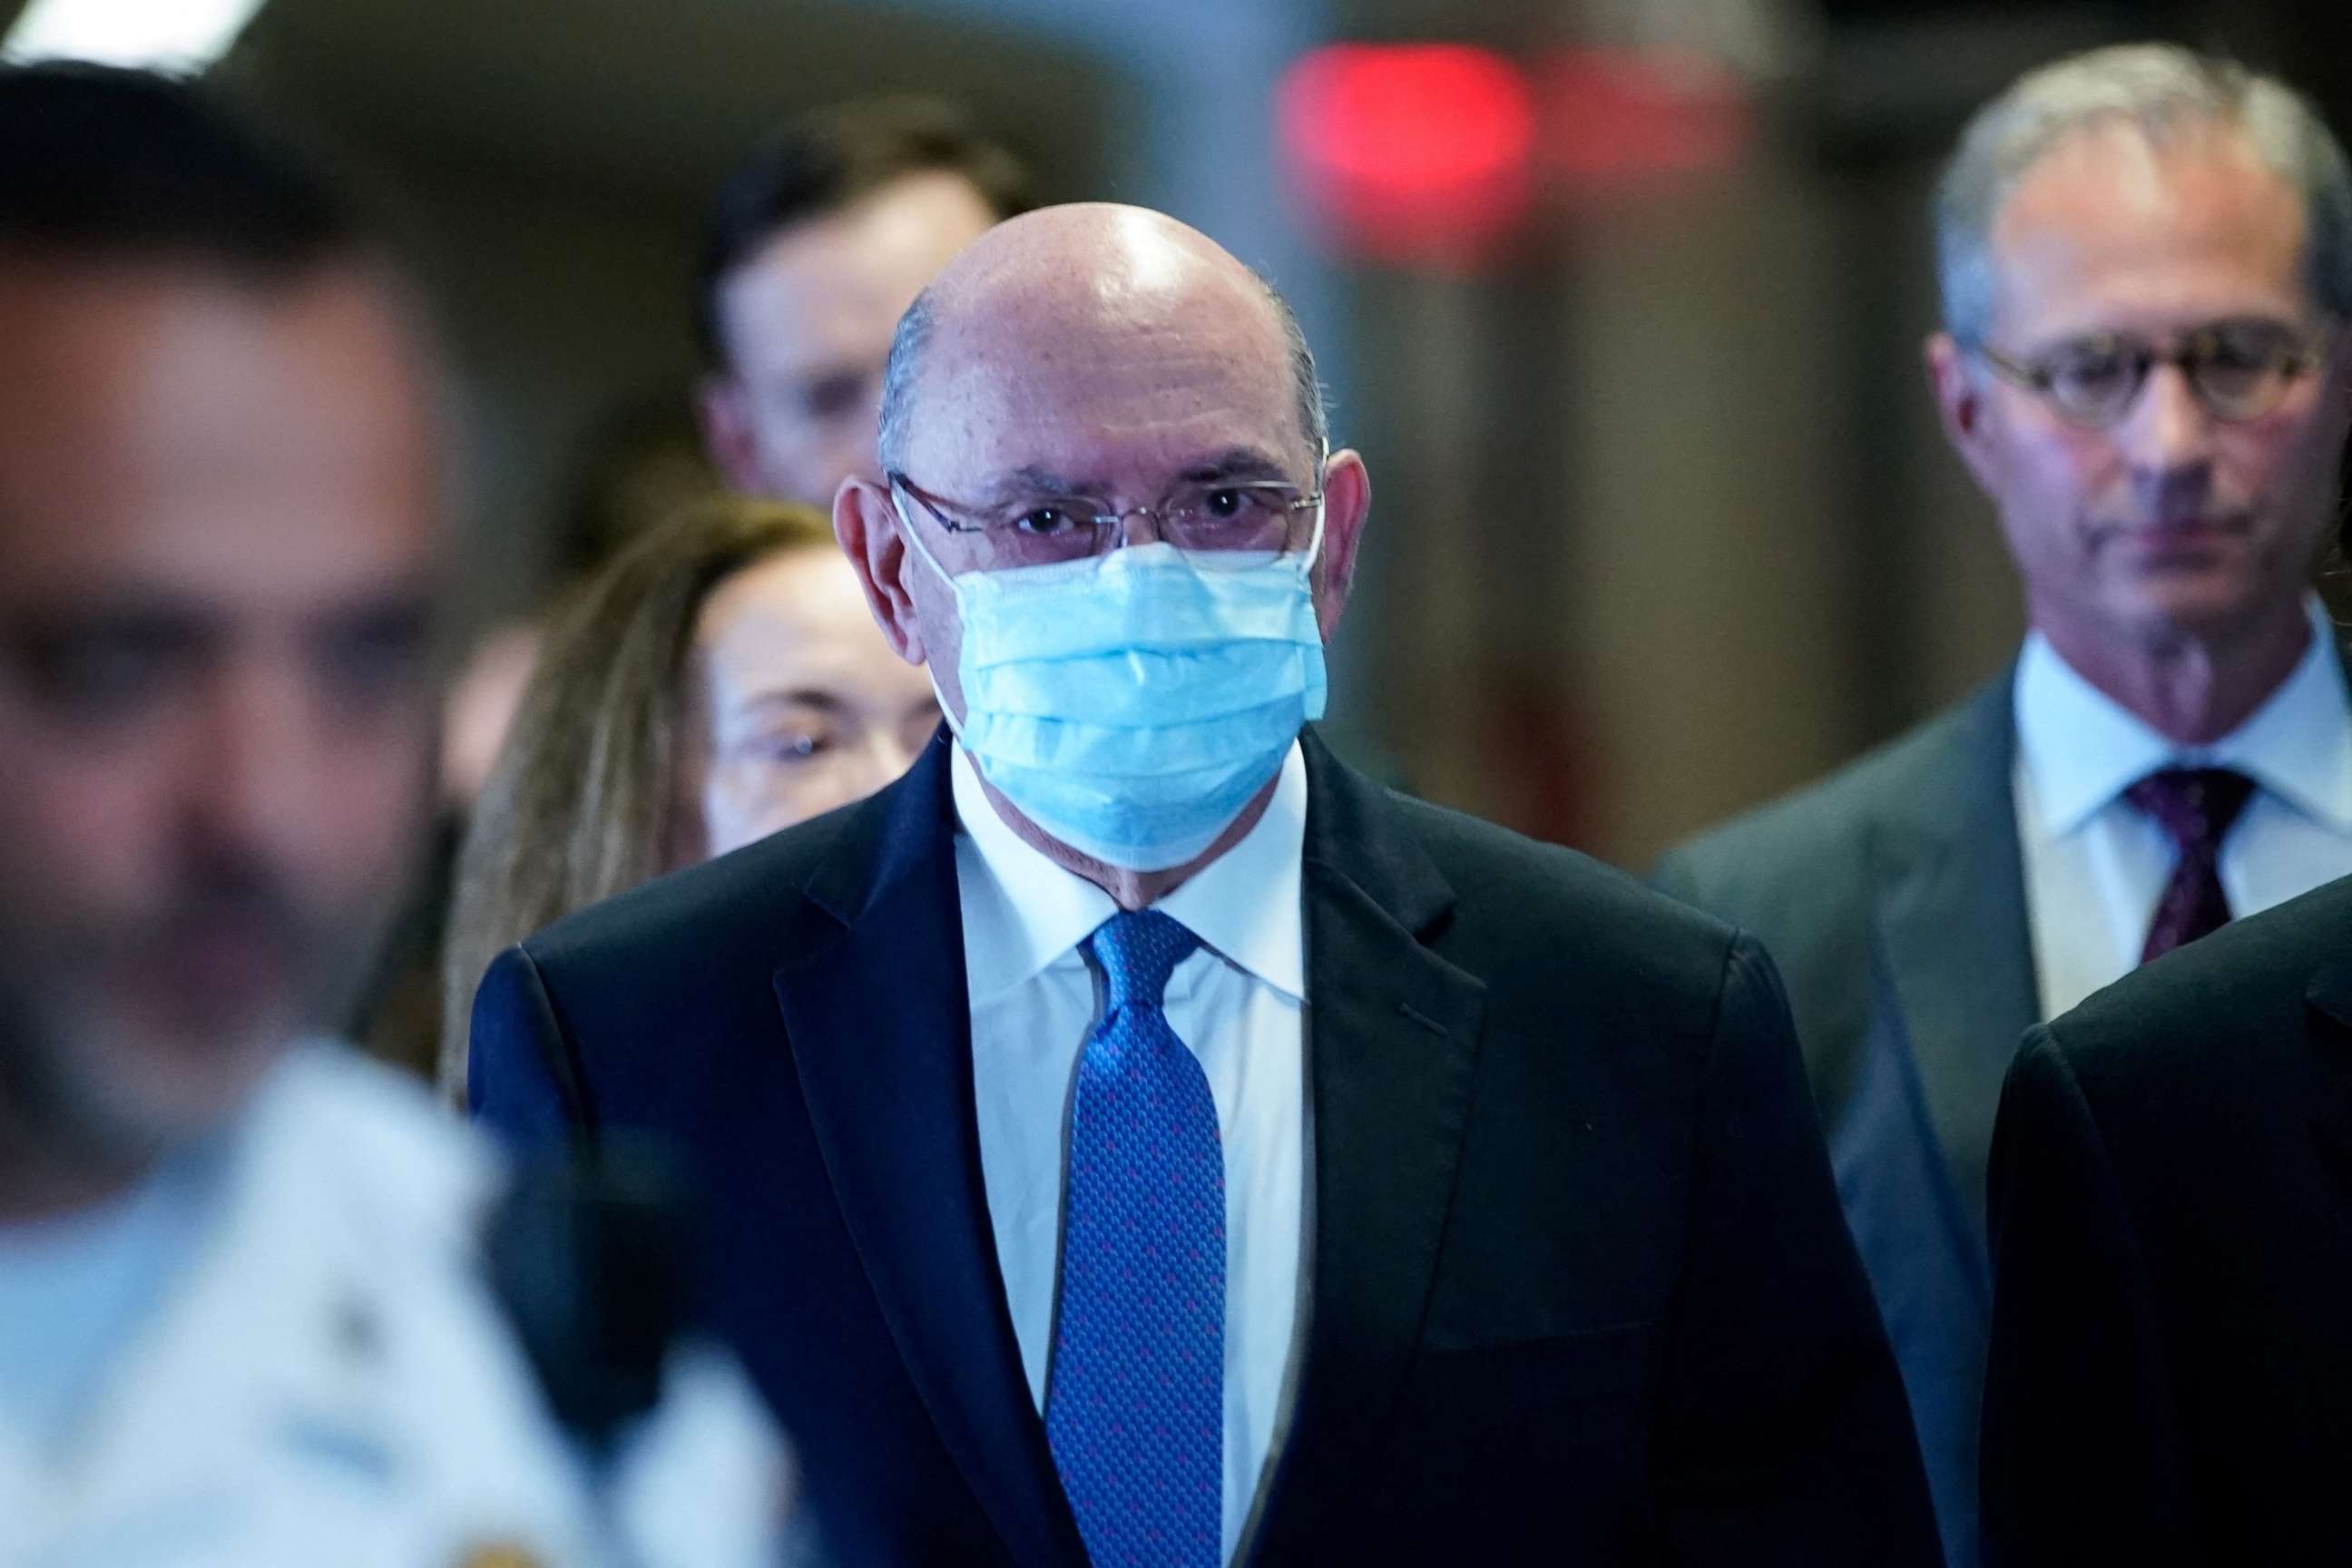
(2196, 808)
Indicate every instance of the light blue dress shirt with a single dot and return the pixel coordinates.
(2095, 865)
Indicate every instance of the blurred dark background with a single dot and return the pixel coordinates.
(1622, 301)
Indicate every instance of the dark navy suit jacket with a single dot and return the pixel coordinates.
(1578, 1287)
(2170, 1381)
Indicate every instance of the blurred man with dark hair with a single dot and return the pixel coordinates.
(815, 245)
(240, 1313)
(2147, 266)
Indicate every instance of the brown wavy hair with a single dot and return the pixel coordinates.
(579, 804)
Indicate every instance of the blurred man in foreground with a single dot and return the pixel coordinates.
(240, 1315)
(815, 245)
(1134, 1137)
(2147, 263)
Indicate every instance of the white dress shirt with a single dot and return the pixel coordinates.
(1238, 1003)
(2096, 865)
(75, 1289)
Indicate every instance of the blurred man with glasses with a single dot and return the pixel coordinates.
(1134, 1137)
(2146, 261)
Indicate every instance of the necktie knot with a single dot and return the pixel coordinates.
(2196, 806)
(1138, 950)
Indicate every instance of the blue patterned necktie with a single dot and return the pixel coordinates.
(1136, 1409)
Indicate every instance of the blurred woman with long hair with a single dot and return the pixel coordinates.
(719, 680)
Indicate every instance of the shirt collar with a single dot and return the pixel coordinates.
(1023, 912)
(2081, 749)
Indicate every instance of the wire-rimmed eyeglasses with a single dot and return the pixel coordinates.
(1216, 522)
(2237, 370)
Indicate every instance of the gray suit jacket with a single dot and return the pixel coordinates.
(1893, 897)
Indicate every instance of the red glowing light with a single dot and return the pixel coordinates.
(1412, 152)
(1435, 153)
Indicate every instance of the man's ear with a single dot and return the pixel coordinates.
(1960, 401)
(723, 408)
(872, 534)
(1347, 502)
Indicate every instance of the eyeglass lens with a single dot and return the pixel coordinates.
(1211, 523)
(2238, 370)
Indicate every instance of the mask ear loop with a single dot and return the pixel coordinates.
(1314, 544)
(914, 542)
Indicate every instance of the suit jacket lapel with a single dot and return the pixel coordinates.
(882, 1043)
(1949, 884)
(1392, 1037)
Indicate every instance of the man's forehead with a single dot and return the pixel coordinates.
(1105, 421)
(1033, 373)
(930, 213)
(107, 332)
(2110, 201)
(212, 433)
(847, 275)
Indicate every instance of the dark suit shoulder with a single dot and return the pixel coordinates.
(1821, 826)
(703, 909)
(1580, 921)
(2210, 1008)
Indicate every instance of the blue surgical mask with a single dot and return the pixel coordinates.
(1130, 704)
